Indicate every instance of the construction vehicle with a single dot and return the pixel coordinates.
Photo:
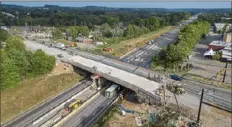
(73, 105)
(112, 90)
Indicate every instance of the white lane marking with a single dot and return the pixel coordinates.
(59, 107)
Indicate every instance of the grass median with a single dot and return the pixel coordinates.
(32, 92)
(123, 47)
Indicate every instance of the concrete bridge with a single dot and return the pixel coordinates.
(141, 80)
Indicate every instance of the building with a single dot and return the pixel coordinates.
(217, 45)
(99, 43)
(227, 53)
(209, 54)
(227, 37)
(83, 40)
(69, 38)
(219, 26)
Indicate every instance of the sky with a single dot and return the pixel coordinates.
(131, 4)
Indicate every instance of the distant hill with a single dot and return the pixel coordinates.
(101, 8)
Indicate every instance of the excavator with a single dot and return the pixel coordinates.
(74, 104)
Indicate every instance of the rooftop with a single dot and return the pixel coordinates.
(220, 25)
(218, 43)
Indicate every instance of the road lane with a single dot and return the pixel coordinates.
(30, 116)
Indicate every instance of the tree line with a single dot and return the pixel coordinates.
(215, 17)
(18, 63)
(67, 16)
(175, 54)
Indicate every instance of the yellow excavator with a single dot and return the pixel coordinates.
(74, 104)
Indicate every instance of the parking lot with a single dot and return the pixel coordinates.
(207, 68)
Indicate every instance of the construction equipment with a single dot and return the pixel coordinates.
(74, 104)
(73, 44)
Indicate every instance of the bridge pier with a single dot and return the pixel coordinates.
(98, 81)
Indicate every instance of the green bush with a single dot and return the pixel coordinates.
(217, 56)
(18, 63)
(4, 35)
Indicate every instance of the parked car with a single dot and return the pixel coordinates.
(175, 77)
(60, 56)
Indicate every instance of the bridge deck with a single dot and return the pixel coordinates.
(135, 80)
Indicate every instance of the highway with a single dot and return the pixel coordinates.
(87, 116)
(143, 57)
(28, 117)
(56, 114)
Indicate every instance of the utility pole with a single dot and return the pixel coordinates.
(164, 82)
(199, 110)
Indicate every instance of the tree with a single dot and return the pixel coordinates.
(105, 27)
(224, 28)
(129, 31)
(4, 35)
(9, 72)
(73, 31)
(84, 30)
(42, 63)
(20, 60)
(57, 34)
(112, 21)
(15, 42)
(108, 34)
(176, 90)
(188, 37)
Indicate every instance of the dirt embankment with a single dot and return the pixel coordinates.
(34, 91)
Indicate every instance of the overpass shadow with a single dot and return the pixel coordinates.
(82, 72)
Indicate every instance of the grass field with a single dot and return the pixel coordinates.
(32, 92)
(63, 41)
(122, 48)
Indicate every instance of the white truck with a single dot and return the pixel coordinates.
(60, 46)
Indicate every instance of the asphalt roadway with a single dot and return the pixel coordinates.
(32, 115)
(87, 116)
(143, 57)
